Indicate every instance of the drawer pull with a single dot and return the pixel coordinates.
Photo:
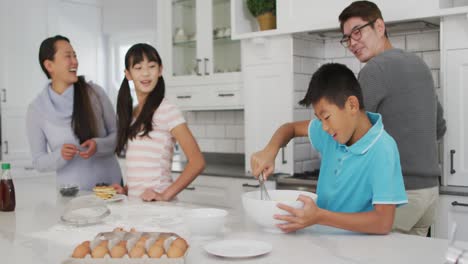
(251, 185)
(226, 94)
(455, 203)
(184, 97)
(190, 188)
(452, 170)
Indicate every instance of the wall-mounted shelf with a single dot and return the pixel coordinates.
(454, 11)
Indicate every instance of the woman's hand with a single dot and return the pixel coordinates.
(90, 144)
(299, 218)
(150, 195)
(119, 189)
(69, 151)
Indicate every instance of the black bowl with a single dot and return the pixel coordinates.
(69, 190)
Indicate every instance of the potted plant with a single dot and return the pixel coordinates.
(264, 11)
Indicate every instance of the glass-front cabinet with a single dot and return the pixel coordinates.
(202, 64)
(200, 35)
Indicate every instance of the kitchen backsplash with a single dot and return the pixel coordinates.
(218, 131)
(310, 53)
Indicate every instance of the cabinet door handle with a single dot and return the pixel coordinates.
(4, 95)
(251, 185)
(452, 152)
(190, 188)
(5, 143)
(197, 67)
(283, 158)
(183, 96)
(206, 66)
(226, 94)
(455, 203)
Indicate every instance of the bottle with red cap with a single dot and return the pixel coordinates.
(7, 190)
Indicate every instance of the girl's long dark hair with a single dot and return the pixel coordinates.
(144, 122)
(83, 120)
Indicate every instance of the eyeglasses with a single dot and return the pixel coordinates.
(355, 34)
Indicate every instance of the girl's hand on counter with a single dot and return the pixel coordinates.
(90, 144)
(150, 195)
(119, 189)
(69, 151)
(299, 218)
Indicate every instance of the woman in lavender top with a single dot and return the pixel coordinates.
(71, 124)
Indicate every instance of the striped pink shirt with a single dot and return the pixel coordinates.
(149, 159)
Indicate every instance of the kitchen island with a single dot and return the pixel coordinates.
(34, 234)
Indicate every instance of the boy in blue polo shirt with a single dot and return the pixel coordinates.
(360, 182)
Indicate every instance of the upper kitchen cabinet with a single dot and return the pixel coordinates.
(305, 15)
(198, 52)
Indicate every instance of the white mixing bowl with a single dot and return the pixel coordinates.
(205, 222)
(262, 211)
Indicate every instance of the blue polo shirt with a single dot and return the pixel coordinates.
(354, 178)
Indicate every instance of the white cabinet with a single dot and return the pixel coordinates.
(456, 112)
(305, 15)
(23, 27)
(219, 191)
(268, 76)
(198, 53)
(452, 209)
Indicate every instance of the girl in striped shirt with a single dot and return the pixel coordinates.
(149, 131)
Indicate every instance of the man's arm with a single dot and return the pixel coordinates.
(441, 124)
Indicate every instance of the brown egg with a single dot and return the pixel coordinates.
(137, 252)
(144, 238)
(160, 241)
(80, 251)
(155, 251)
(123, 243)
(118, 229)
(86, 243)
(140, 243)
(175, 252)
(118, 251)
(104, 243)
(99, 252)
(133, 230)
(180, 243)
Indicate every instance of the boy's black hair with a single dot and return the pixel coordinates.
(334, 82)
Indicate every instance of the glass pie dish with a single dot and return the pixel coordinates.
(85, 210)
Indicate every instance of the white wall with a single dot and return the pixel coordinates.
(308, 56)
(123, 16)
(218, 131)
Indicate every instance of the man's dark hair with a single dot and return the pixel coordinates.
(366, 10)
(334, 82)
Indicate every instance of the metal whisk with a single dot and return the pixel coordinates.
(263, 191)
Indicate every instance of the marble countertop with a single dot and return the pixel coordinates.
(34, 234)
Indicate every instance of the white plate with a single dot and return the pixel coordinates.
(238, 248)
(115, 198)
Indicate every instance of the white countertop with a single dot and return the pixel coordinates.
(33, 234)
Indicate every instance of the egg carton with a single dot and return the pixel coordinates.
(131, 239)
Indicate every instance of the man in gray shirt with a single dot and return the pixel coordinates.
(399, 86)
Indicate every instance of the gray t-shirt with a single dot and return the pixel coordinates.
(399, 86)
